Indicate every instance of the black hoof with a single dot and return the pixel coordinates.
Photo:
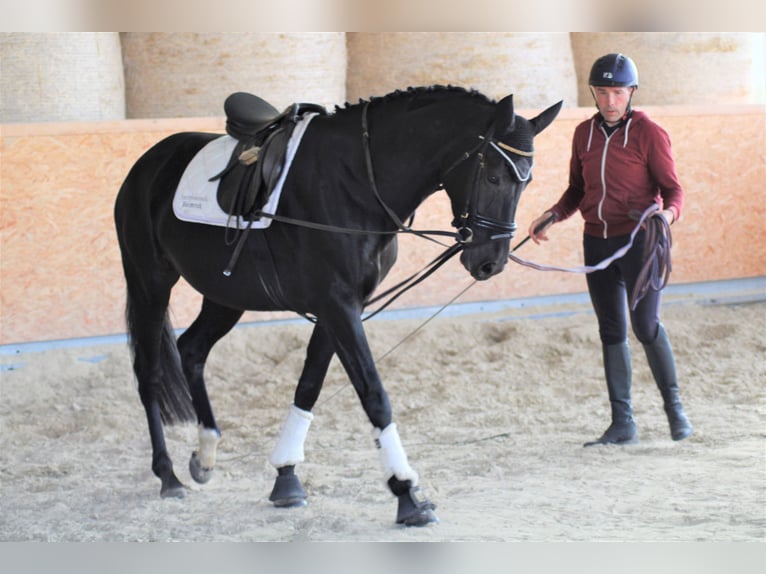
(415, 510)
(288, 491)
(198, 472)
(173, 491)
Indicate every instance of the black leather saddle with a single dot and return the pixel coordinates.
(262, 133)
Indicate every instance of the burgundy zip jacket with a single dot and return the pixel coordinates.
(611, 178)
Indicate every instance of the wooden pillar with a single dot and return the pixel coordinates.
(536, 67)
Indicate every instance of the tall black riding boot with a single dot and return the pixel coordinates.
(617, 368)
(663, 366)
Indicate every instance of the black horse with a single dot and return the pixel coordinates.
(358, 174)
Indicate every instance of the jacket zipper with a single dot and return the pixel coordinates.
(603, 180)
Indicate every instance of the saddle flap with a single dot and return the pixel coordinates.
(272, 155)
(245, 188)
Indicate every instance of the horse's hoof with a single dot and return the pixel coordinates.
(178, 491)
(288, 492)
(198, 472)
(420, 518)
(414, 510)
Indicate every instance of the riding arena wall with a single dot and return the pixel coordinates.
(78, 109)
(60, 268)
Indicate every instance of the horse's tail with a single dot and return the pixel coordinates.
(170, 389)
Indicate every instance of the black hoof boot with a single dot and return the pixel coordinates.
(414, 509)
(618, 433)
(198, 472)
(288, 491)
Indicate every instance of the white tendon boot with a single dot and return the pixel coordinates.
(393, 459)
(402, 480)
(288, 490)
(289, 449)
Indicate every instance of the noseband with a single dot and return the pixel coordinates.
(469, 218)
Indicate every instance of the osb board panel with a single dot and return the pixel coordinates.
(60, 272)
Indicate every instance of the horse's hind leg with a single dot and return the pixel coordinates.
(161, 385)
(288, 490)
(194, 346)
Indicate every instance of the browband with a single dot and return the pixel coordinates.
(514, 150)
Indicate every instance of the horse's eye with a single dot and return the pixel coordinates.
(493, 179)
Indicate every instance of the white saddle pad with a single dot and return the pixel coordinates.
(195, 197)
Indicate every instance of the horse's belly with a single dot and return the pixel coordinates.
(201, 254)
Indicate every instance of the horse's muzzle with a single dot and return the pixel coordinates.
(480, 266)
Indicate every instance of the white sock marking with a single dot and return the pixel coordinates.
(208, 445)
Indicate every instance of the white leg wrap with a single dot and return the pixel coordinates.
(289, 449)
(208, 445)
(393, 459)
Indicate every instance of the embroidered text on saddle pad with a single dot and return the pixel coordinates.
(195, 199)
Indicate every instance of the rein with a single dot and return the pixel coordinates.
(404, 286)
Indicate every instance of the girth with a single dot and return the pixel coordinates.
(256, 163)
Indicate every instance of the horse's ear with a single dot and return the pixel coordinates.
(545, 118)
(504, 116)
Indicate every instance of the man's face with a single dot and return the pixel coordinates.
(612, 102)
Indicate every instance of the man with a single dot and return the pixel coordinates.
(621, 163)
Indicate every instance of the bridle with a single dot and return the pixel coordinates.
(469, 218)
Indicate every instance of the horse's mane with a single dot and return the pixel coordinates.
(410, 92)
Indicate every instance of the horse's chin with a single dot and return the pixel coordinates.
(482, 268)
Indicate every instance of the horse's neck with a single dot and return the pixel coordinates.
(411, 162)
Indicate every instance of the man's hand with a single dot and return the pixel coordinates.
(539, 227)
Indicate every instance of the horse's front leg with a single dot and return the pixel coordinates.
(354, 353)
(288, 490)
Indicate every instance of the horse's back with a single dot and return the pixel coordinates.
(171, 154)
(158, 170)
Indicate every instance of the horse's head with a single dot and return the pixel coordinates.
(485, 185)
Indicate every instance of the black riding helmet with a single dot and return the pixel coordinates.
(614, 70)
